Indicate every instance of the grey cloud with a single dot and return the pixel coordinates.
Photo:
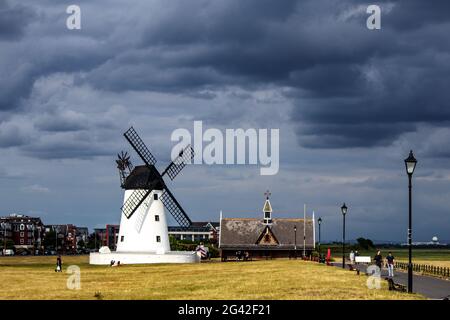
(14, 19)
(11, 135)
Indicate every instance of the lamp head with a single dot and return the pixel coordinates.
(410, 163)
(344, 209)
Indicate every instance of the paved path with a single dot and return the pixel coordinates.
(430, 287)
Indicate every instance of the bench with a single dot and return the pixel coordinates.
(395, 286)
(363, 259)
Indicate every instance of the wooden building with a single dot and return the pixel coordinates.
(266, 237)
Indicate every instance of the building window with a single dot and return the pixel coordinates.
(22, 227)
(157, 218)
(121, 238)
(22, 234)
(158, 239)
(155, 196)
(21, 241)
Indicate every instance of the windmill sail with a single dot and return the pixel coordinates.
(140, 147)
(185, 156)
(134, 201)
(175, 208)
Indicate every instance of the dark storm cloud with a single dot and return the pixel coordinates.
(14, 19)
(350, 87)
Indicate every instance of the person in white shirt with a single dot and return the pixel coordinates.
(352, 257)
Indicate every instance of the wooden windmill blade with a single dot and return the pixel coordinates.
(140, 147)
(174, 168)
(175, 208)
(134, 201)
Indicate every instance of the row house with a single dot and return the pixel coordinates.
(25, 232)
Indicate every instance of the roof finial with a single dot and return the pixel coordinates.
(267, 194)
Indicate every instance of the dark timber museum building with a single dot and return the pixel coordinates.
(266, 238)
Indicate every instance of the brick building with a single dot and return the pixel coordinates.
(26, 232)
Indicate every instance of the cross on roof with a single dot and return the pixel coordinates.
(267, 194)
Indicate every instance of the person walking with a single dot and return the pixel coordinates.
(390, 264)
(58, 264)
(378, 259)
(352, 257)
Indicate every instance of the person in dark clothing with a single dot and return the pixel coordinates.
(378, 259)
(58, 264)
(390, 264)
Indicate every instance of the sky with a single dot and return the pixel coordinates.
(349, 104)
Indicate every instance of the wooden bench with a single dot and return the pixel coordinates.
(395, 286)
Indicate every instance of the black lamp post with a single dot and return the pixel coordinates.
(410, 164)
(295, 241)
(344, 212)
(319, 221)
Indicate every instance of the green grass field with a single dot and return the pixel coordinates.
(34, 278)
(437, 257)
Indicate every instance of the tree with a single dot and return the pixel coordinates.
(49, 240)
(9, 244)
(94, 241)
(81, 244)
(365, 243)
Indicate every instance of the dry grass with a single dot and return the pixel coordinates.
(34, 278)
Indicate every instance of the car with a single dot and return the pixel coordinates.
(8, 252)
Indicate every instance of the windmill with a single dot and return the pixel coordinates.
(143, 226)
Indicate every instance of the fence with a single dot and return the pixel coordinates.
(426, 269)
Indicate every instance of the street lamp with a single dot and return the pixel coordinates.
(4, 238)
(295, 241)
(344, 212)
(319, 221)
(410, 164)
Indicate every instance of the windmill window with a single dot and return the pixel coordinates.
(155, 196)
(122, 238)
(267, 215)
(158, 239)
(157, 218)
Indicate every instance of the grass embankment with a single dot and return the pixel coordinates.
(436, 257)
(34, 278)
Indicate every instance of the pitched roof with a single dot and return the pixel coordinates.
(245, 232)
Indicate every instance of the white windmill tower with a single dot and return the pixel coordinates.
(143, 235)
